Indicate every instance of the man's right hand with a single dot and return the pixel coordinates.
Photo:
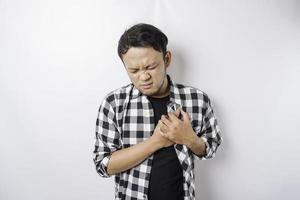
(161, 140)
(127, 158)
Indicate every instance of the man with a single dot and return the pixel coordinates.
(149, 132)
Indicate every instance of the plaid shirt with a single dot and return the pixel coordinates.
(125, 118)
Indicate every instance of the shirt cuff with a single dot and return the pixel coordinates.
(204, 157)
(103, 167)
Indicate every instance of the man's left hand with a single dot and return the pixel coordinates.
(179, 131)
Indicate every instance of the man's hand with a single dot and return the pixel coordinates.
(176, 130)
(159, 138)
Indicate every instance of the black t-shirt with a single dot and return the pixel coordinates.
(166, 178)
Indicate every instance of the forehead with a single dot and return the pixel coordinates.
(136, 56)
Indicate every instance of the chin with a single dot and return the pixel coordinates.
(148, 92)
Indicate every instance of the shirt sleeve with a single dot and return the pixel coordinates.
(209, 132)
(107, 138)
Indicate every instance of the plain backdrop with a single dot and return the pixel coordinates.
(58, 59)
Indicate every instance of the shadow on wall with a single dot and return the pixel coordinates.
(204, 169)
(178, 67)
(179, 70)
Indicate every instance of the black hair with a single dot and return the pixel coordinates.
(143, 35)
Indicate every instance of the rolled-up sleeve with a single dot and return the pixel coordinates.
(107, 137)
(209, 131)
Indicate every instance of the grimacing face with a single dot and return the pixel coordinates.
(147, 70)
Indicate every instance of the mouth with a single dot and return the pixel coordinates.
(147, 86)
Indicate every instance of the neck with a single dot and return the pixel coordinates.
(165, 89)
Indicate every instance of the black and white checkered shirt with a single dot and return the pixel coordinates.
(125, 118)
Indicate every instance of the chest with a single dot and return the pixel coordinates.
(138, 118)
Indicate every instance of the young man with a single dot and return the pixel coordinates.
(149, 132)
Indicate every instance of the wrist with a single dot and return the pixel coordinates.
(155, 144)
(197, 145)
(192, 141)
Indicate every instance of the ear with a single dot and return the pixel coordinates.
(168, 57)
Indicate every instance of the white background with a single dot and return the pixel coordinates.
(59, 58)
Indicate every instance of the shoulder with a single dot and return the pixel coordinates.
(193, 92)
(117, 94)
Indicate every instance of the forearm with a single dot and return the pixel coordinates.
(128, 158)
(196, 145)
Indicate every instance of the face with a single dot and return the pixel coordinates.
(147, 70)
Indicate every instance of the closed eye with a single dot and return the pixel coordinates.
(152, 67)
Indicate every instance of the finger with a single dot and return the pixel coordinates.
(163, 127)
(177, 112)
(173, 117)
(166, 120)
(163, 134)
(186, 116)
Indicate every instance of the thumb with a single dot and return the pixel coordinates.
(177, 112)
(185, 115)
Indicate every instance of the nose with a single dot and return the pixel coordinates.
(144, 76)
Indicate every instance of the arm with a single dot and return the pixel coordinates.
(204, 140)
(209, 136)
(107, 138)
(197, 145)
(127, 158)
(109, 157)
